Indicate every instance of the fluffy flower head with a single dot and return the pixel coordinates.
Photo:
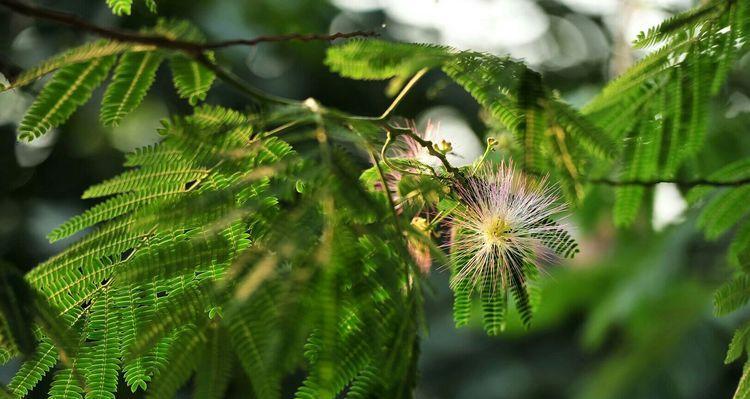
(505, 225)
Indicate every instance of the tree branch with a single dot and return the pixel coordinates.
(684, 183)
(196, 50)
(161, 41)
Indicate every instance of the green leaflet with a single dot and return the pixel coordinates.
(724, 210)
(33, 369)
(124, 7)
(132, 78)
(734, 171)
(120, 7)
(112, 238)
(24, 313)
(732, 295)
(58, 327)
(69, 88)
(183, 357)
(676, 24)
(727, 207)
(5, 354)
(111, 271)
(136, 305)
(519, 287)
(148, 178)
(250, 331)
(210, 116)
(376, 59)
(100, 358)
(154, 155)
(738, 345)
(462, 304)
(182, 306)
(191, 79)
(65, 385)
(83, 53)
(112, 208)
(494, 308)
(743, 389)
(180, 254)
(365, 385)
(641, 159)
(215, 366)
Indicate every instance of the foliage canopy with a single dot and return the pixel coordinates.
(264, 242)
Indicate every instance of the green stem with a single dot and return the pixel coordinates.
(414, 79)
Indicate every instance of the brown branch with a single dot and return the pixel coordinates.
(684, 183)
(195, 50)
(232, 79)
(302, 37)
(430, 146)
(161, 41)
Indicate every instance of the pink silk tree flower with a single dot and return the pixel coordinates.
(504, 225)
(419, 251)
(408, 148)
(405, 151)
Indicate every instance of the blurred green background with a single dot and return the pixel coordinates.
(631, 317)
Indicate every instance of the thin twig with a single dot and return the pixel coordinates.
(414, 79)
(164, 42)
(684, 183)
(232, 79)
(429, 145)
(392, 205)
(196, 50)
(302, 37)
(407, 87)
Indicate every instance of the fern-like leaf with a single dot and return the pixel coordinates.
(110, 209)
(69, 88)
(120, 7)
(724, 210)
(149, 178)
(183, 357)
(215, 367)
(250, 331)
(493, 311)
(132, 78)
(738, 345)
(33, 370)
(136, 306)
(65, 384)
(101, 356)
(181, 307)
(180, 254)
(377, 60)
(83, 53)
(743, 389)
(641, 157)
(680, 22)
(462, 304)
(732, 295)
(191, 79)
